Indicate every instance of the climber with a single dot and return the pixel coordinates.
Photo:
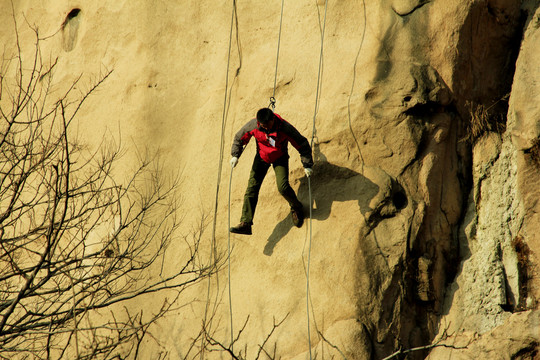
(272, 134)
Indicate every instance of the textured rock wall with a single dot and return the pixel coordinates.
(499, 269)
(419, 224)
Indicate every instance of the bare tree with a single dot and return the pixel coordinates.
(76, 243)
(242, 354)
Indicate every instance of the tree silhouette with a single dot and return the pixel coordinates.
(76, 243)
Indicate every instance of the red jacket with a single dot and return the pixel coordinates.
(272, 145)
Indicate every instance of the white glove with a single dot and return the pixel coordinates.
(308, 171)
(234, 161)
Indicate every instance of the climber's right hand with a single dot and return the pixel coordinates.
(234, 161)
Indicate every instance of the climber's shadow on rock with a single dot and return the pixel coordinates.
(330, 183)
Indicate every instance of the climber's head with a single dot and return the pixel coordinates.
(266, 118)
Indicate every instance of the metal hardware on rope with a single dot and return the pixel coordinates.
(272, 103)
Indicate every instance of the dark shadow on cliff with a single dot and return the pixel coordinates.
(329, 184)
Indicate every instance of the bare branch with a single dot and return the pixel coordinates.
(438, 343)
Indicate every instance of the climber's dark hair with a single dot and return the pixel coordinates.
(264, 115)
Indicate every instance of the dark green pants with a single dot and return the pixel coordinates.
(256, 177)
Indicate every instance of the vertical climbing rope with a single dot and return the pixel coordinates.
(273, 98)
(220, 167)
(229, 220)
(229, 260)
(319, 75)
(272, 105)
(352, 88)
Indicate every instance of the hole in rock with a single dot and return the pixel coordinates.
(422, 109)
(73, 13)
(70, 29)
(400, 200)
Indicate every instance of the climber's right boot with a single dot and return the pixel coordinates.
(242, 228)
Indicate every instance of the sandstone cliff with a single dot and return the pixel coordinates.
(425, 191)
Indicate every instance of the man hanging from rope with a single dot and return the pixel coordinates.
(272, 134)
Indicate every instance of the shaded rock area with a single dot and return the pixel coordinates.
(424, 229)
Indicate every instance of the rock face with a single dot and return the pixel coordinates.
(425, 213)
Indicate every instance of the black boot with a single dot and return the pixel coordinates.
(297, 215)
(242, 228)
